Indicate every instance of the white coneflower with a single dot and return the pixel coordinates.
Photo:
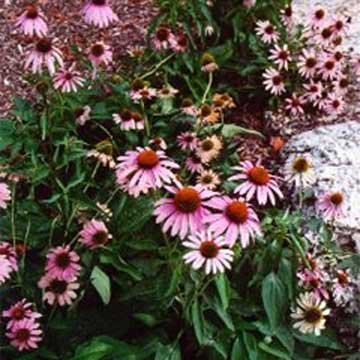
(299, 170)
(267, 32)
(209, 149)
(307, 63)
(208, 179)
(273, 82)
(310, 314)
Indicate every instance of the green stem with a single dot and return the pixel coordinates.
(13, 225)
(146, 120)
(157, 66)
(211, 78)
(96, 168)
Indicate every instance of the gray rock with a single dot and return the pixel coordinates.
(335, 152)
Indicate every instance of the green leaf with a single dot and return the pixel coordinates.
(223, 287)
(101, 283)
(238, 350)
(286, 275)
(273, 351)
(230, 130)
(274, 298)
(168, 352)
(284, 335)
(326, 340)
(198, 321)
(7, 131)
(251, 345)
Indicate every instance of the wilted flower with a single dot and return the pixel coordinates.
(310, 314)
(158, 143)
(32, 22)
(223, 101)
(209, 251)
(162, 37)
(257, 182)
(188, 107)
(208, 63)
(125, 119)
(99, 13)
(209, 149)
(208, 114)
(82, 115)
(208, 179)
(44, 53)
(300, 171)
(179, 42)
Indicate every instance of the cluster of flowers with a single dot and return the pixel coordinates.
(320, 65)
(322, 283)
(8, 261)
(32, 22)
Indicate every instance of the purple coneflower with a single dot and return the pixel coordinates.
(82, 115)
(125, 119)
(307, 63)
(9, 252)
(32, 22)
(267, 32)
(274, 82)
(281, 56)
(58, 291)
(99, 53)
(233, 218)
(94, 234)
(99, 13)
(257, 182)
(294, 105)
(63, 263)
(5, 269)
(313, 91)
(194, 165)
(184, 212)
(44, 53)
(25, 335)
(334, 104)
(318, 17)
(187, 141)
(209, 251)
(329, 69)
(144, 169)
(331, 205)
(68, 80)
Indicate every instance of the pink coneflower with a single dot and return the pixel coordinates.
(58, 291)
(331, 205)
(20, 311)
(267, 32)
(162, 37)
(5, 195)
(158, 143)
(313, 91)
(329, 69)
(322, 101)
(125, 120)
(44, 53)
(307, 63)
(234, 218)
(281, 56)
(145, 93)
(209, 251)
(342, 290)
(249, 3)
(194, 165)
(257, 182)
(32, 22)
(9, 252)
(100, 53)
(94, 234)
(187, 141)
(334, 104)
(318, 17)
(139, 121)
(314, 281)
(179, 42)
(274, 82)
(144, 169)
(25, 335)
(63, 263)
(294, 105)
(324, 37)
(68, 80)
(82, 115)
(339, 24)
(287, 16)
(184, 212)
(5, 269)
(99, 13)
(188, 107)
(341, 85)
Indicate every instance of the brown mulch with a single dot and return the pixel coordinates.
(66, 27)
